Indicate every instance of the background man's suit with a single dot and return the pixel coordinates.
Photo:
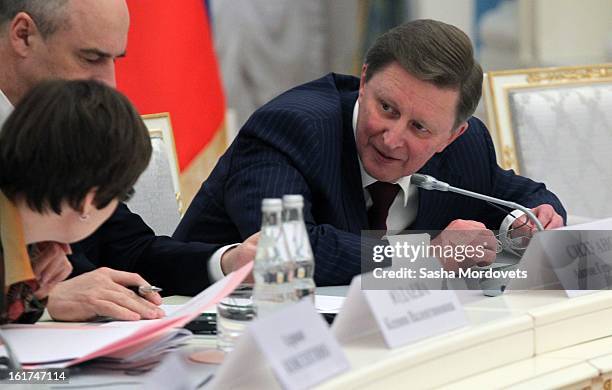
(302, 142)
(124, 242)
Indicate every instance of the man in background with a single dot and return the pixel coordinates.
(82, 39)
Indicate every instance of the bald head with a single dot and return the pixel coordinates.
(79, 39)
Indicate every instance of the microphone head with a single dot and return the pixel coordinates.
(420, 180)
(427, 182)
(423, 181)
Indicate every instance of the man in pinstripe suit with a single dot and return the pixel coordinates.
(334, 139)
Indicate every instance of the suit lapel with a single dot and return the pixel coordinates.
(434, 207)
(352, 191)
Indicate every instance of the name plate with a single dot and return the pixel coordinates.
(296, 343)
(577, 259)
(299, 346)
(406, 316)
(401, 316)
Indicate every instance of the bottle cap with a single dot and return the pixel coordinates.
(290, 201)
(271, 205)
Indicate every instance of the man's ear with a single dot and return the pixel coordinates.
(453, 136)
(88, 205)
(362, 79)
(22, 32)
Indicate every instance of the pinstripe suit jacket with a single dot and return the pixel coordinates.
(302, 142)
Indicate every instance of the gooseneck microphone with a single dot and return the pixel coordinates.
(427, 182)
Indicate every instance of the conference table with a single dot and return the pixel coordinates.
(521, 339)
(536, 339)
(532, 339)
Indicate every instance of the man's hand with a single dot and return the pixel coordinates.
(51, 266)
(238, 256)
(523, 228)
(467, 234)
(548, 216)
(102, 293)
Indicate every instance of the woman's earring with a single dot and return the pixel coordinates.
(84, 217)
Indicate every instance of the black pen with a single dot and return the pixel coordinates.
(142, 290)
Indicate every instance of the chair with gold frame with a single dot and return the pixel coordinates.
(157, 197)
(555, 125)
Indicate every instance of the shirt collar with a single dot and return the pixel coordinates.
(5, 108)
(17, 264)
(366, 179)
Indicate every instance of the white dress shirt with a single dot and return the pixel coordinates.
(404, 208)
(5, 108)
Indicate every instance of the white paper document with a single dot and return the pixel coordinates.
(35, 344)
(63, 345)
(323, 304)
(328, 303)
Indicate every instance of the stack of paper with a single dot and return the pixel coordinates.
(168, 342)
(65, 345)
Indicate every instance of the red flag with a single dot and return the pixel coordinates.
(171, 67)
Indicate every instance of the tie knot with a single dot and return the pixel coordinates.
(383, 193)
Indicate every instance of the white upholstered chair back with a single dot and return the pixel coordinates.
(555, 125)
(157, 198)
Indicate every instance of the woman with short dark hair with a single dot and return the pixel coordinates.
(69, 153)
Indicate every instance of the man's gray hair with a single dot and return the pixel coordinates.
(47, 14)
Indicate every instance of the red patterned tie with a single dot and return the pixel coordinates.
(382, 195)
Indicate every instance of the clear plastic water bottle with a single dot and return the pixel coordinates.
(273, 271)
(299, 247)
